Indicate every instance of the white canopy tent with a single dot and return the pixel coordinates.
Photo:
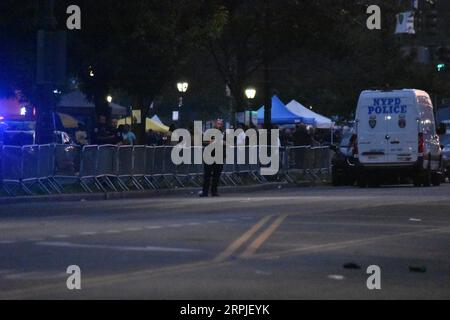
(157, 119)
(78, 100)
(118, 110)
(75, 99)
(300, 110)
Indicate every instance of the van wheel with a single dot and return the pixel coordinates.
(417, 181)
(427, 178)
(335, 179)
(373, 181)
(436, 179)
(350, 181)
(362, 180)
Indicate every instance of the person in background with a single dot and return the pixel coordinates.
(129, 138)
(302, 137)
(213, 172)
(241, 139)
(119, 134)
(152, 138)
(81, 136)
(104, 133)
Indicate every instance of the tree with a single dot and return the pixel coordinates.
(133, 46)
(18, 25)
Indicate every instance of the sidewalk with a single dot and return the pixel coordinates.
(188, 192)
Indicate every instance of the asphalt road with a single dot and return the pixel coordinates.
(279, 244)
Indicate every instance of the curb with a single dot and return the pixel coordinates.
(146, 194)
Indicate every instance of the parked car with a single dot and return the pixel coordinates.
(26, 138)
(343, 164)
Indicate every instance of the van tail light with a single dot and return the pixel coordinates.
(421, 143)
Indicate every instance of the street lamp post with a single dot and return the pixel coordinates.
(182, 87)
(250, 93)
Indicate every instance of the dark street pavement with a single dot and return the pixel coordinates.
(278, 244)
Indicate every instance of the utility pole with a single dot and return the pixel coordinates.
(50, 73)
(266, 62)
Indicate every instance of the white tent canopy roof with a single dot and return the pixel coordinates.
(118, 110)
(77, 99)
(300, 110)
(157, 119)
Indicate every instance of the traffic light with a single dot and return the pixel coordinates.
(444, 54)
(443, 58)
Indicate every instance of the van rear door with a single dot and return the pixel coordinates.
(402, 132)
(372, 128)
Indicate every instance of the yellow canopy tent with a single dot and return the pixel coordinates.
(68, 121)
(149, 124)
(125, 121)
(156, 126)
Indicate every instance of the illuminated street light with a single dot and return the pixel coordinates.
(182, 87)
(109, 99)
(250, 93)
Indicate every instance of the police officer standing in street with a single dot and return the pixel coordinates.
(213, 172)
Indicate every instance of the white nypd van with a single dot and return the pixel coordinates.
(396, 138)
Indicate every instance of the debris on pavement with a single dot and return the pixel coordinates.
(352, 265)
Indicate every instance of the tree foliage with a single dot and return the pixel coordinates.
(319, 51)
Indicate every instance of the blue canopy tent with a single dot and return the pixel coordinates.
(281, 115)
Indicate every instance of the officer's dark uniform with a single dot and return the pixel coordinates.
(211, 177)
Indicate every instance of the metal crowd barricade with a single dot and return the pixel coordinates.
(158, 175)
(110, 168)
(88, 168)
(229, 168)
(284, 165)
(30, 169)
(254, 165)
(46, 167)
(150, 172)
(67, 159)
(248, 166)
(125, 168)
(106, 168)
(12, 166)
(310, 162)
(322, 161)
(170, 169)
(183, 170)
(242, 167)
(139, 167)
(196, 168)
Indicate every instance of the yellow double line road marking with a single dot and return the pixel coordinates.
(236, 245)
(263, 237)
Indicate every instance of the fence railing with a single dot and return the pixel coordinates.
(56, 169)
